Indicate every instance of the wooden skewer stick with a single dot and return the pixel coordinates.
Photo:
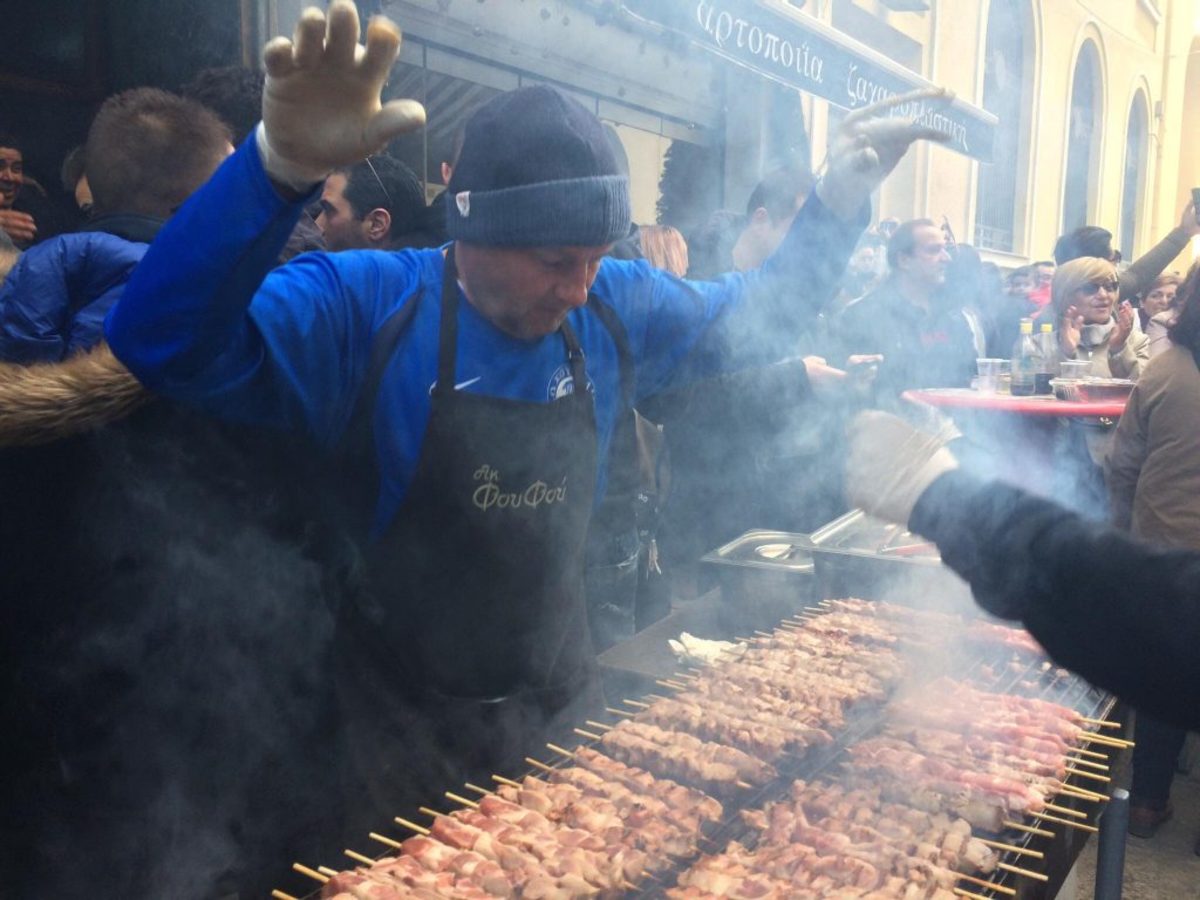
(569, 754)
(999, 888)
(762, 633)
(325, 870)
(596, 724)
(476, 788)
(412, 826)
(280, 895)
(311, 873)
(1104, 740)
(1071, 823)
(1092, 754)
(432, 813)
(1017, 826)
(1066, 811)
(537, 764)
(685, 676)
(1012, 848)
(470, 804)
(965, 893)
(500, 779)
(637, 704)
(744, 784)
(673, 685)
(1092, 775)
(788, 626)
(359, 858)
(590, 735)
(1101, 723)
(1080, 794)
(656, 696)
(1028, 873)
(624, 714)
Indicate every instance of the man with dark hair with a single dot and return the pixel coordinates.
(146, 151)
(770, 211)
(18, 223)
(233, 92)
(376, 204)
(1092, 240)
(924, 338)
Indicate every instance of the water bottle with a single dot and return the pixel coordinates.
(1049, 369)
(1026, 362)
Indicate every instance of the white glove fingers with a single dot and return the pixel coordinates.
(277, 58)
(342, 36)
(310, 38)
(383, 46)
(880, 106)
(397, 117)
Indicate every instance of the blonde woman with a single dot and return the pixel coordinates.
(1091, 324)
(664, 248)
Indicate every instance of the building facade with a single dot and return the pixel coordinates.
(1094, 102)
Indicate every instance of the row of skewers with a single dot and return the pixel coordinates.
(637, 800)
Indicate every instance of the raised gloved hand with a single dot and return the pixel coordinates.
(891, 463)
(321, 101)
(869, 145)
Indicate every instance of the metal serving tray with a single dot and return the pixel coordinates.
(764, 576)
(856, 555)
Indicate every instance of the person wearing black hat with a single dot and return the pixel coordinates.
(488, 376)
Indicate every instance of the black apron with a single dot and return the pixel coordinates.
(472, 649)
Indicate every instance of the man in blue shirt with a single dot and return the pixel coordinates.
(490, 374)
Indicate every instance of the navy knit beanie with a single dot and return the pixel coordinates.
(536, 170)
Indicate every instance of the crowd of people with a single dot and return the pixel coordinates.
(319, 496)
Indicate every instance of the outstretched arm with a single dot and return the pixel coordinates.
(1124, 615)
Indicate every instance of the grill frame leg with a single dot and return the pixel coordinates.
(1110, 850)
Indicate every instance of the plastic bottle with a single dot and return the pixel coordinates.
(1049, 369)
(1026, 362)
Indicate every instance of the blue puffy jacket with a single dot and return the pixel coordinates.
(54, 301)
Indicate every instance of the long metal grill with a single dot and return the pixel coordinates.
(1041, 852)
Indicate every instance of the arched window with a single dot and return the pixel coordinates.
(1133, 185)
(1083, 140)
(996, 195)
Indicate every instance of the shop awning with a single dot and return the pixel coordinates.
(782, 43)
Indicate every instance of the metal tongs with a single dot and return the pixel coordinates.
(899, 542)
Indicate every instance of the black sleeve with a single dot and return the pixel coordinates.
(1124, 615)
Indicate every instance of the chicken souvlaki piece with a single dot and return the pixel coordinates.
(824, 712)
(813, 667)
(727, 724)
(1063, 719)
(1020, 735)
(803, 686)
(635, 826)
(984, 800)
(865, 818)
(804, 733)
(956, 745)
(400, 878)
(800, 871)
(679, 797)
(677, 754)
(538, 868)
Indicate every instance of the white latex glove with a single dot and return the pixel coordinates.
(869, 145)
(321, 101)
(890, 464)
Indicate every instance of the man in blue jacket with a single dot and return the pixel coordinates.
(147, 150)
(489, 374)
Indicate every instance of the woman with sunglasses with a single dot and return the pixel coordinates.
(1091, 324)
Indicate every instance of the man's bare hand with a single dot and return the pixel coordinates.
(18, 225)
(868, 146)
(321, 102)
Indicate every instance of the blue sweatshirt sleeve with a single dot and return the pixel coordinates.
(684, 331)
(199, 323)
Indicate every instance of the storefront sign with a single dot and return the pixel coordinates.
(797, 50)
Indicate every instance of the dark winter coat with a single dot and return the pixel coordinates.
(166, 620)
